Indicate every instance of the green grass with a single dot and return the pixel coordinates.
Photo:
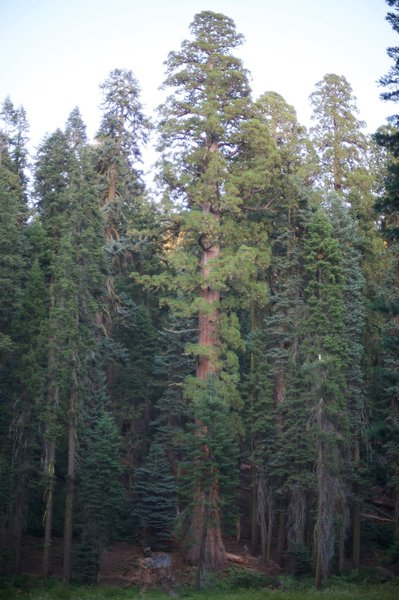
(24, 588)
(237, 584)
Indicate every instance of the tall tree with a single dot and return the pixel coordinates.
(16, 130)
(323, 362)
(52, 169)
(66, 188)
(155, 499)
(338, 132)
(79, 280)
(100, 492)
(129, 243)
(199, 126)
(388, 209)
(12, 264)
(346, 231)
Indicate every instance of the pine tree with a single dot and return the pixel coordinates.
(15, 130)
(211, 467)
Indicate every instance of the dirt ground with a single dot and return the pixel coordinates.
(123, 564)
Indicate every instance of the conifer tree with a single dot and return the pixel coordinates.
(277, 172)
(200, 129)
(15, 131)
(12, 263)
(154, 498)
(346, 232)
(66, 186)
(129, 243)
(338, 133)
(133, 390)
(388, 301)
(52, 170)
(26, 384)
(100, 491)
(323, 364)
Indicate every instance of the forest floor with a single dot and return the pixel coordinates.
(122, 577)
(122, 562)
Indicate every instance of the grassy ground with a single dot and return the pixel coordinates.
(29, 589)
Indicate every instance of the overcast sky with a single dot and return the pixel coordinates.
(55, 53)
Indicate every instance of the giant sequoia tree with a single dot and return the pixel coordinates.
(252, 347)
(337, 132)
(199, 128)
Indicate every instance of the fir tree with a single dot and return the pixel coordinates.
(13, 429)
(388, 301)
(346, 232)
(154, 497)
(323, 364)
(100, 492)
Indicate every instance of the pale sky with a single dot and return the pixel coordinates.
(55, 53)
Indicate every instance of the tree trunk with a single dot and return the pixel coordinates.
(50, 443)
(356, 512)
(18, 519)
(201, 559)
(209, 339)
(208, 320)
(281, 534)
(207, 549)
(254, 511)
(49, 499)
(254, 467)
(70, 491)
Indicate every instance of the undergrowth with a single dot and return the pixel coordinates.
(237, 585)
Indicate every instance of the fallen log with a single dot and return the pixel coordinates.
(376, 518)
(236, 558)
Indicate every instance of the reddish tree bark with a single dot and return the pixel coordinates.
(206, 547)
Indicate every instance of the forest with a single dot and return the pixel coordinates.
(218, 361)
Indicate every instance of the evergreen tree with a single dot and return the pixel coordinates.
(26, 384)
(52, 170)
(15, 132)
(133, 389)
(154, 498)
(276, 162)
(130, 245)
(387, 207)
(67, 189)
(200, 130)
(323, 364)
(100, 492)
(338, 133)
(347, 234)
(211, 469)
(12, 263)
